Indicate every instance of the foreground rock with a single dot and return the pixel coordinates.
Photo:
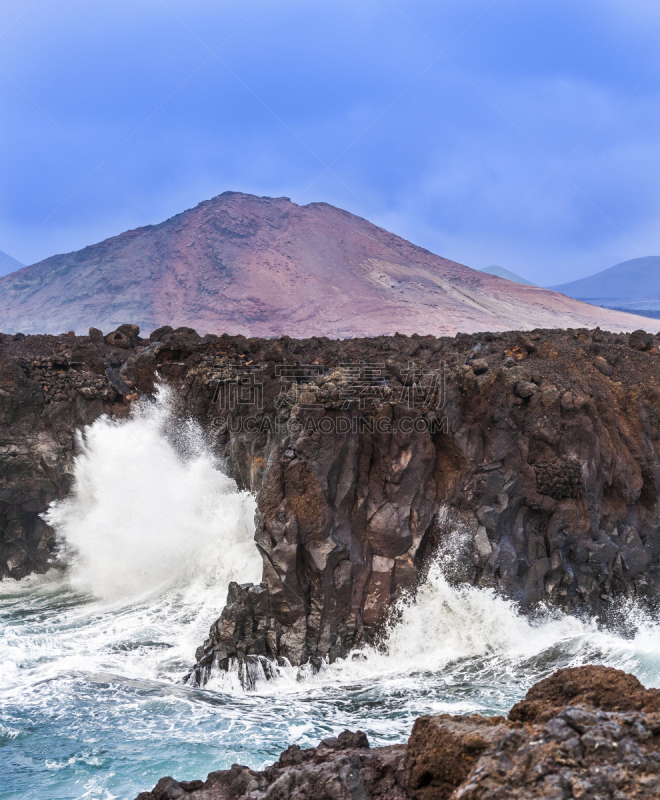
(337, 768)
(538, 471)
(580, 751)
(595, 687)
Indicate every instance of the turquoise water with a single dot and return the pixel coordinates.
(92, 656)
(91, 706)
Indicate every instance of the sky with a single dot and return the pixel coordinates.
(510, 132)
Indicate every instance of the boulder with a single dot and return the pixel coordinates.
(442, 750)
(593, 686)
(640, 340)
(157, 335)
(602, 366)
(117, 339)
(526, 389)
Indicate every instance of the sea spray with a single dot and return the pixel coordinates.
(151, 509)
(91, 704)
(450, 629)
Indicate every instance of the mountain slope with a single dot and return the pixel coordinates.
(8, 264)
(508, 275)
(264, 267)
(633, 284)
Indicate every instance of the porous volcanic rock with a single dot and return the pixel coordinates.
(580, 752)
(593, 686)
(442, 751)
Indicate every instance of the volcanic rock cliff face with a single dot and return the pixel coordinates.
(534, 457)
(590, 732)
(264, 266)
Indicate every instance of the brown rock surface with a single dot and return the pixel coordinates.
(593, 686)
(442, 750)
(264, 266)
(576, 754)
(548, 471)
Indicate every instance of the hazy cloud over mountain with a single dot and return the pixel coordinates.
(512, 133)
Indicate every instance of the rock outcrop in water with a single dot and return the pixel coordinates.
(604, 745)
(532, 459)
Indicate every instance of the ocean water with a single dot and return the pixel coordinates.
(92, 654)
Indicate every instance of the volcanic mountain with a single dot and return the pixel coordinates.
(265, 266)
(632, 285)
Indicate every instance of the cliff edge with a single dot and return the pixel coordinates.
(534, 456)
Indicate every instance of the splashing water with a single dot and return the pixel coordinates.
(90, 661)
(150, 509)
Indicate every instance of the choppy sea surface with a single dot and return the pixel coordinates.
(92, 654)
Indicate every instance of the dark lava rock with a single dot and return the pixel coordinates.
(339, 768)
(158, 334)
(525, 342)
(442, 750)
(576, 754)
(560, 479)
(118, 339)
(548, 468)
(640, 340)
(526, 389)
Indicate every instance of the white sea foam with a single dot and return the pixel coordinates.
(152, 509)
(153, 533)
(152, 512)
(447, 628)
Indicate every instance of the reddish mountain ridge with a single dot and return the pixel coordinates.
(265, 266)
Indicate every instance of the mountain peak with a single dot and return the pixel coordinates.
(263, 266)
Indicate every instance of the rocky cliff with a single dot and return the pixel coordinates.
(265, 266)
(589, 732)
(535, 457)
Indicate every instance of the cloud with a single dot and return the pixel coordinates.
(453, 153)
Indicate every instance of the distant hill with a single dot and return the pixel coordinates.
(632, 285)
(500, 272)
(265, 266)
(8, 264)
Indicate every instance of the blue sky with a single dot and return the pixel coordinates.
(519, 133)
